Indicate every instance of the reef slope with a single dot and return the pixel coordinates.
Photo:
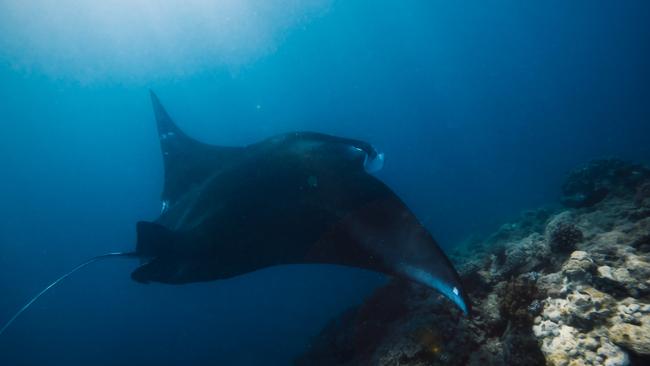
(561, 286)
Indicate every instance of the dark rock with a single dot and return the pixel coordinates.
(642, 243)
(512, 258)
(639, 214)
(591, 184)
(639, 360)
(581, 323)
(564, 237)
(490, 354)
(521, 347)
(611, 287)
(535, 308)
(516, 298)
(642, 196)
(474, 282)
(355, 334)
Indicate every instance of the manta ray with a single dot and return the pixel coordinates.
(296, 198)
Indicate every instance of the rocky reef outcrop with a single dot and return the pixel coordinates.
(563, 286)
(591, 184)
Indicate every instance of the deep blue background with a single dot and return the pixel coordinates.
(481, 109)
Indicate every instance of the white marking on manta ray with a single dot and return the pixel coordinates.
(191, 198)
(423, 276)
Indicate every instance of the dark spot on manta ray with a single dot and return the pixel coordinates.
(312, 181)
(300, 197)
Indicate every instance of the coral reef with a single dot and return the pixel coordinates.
(589, 185)
(556, 287)
(561, 234)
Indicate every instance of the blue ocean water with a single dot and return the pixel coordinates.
(480, 107)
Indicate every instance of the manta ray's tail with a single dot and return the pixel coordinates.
(75, 269)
